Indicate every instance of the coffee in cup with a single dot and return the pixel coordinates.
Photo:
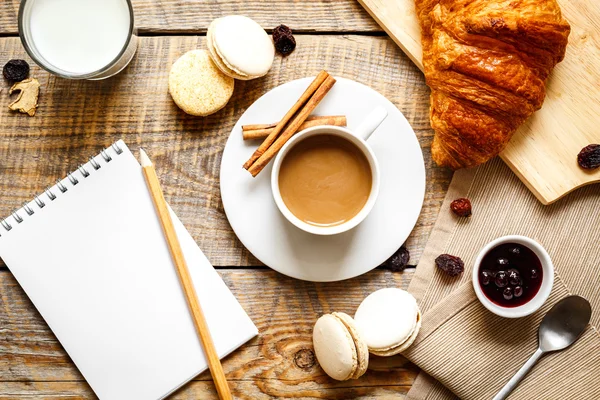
(325, 180)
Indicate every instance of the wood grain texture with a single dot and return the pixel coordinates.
(194, 16)
(76, 119)
(543, 151)
(399, 20)
(278, 363)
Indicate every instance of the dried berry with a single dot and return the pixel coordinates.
(501, 279)
(486, 277)
(518, 291)
(513, 276)
(589, 157)
(284, 40)
(461, 207)
(534, 273)
(399, 260)
(502, 261)
(16, 70)
(451, 265)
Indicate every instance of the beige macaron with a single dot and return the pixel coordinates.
(240, 47)
(389, 320)
(197, 86)
(339, 348)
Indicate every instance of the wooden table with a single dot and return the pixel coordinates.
(76, 119)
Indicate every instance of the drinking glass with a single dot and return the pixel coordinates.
(77, 33)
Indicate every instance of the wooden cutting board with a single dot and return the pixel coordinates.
(543, 152)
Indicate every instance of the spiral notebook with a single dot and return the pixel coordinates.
(90, 254)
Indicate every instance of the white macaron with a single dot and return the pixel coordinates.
(240, 47)
(339, 348)
(388, 321)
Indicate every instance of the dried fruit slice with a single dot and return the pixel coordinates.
(26, 102)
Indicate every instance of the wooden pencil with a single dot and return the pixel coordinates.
(214, 364)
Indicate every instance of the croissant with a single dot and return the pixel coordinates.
(486, 62)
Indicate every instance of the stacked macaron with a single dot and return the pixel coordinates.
(386, 323)
(201, 82)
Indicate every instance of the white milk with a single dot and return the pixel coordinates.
(79, 36)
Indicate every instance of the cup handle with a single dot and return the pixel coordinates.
(371, 123)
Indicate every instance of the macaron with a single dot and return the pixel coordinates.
(197, 86)
(240, 47)
(339, 348)
(388, 321)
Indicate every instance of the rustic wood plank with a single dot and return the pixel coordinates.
(76, 119)
(200, 390)
(192, 16)
(279, 363)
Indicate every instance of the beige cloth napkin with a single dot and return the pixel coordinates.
(469, 350)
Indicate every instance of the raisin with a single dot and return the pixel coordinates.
(589, 157)
(16, 70)
(451, 265)
(284, 40)
(461, 207)
(399, 260)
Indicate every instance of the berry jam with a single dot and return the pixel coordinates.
(510, 275)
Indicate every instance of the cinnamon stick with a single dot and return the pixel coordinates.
(261, 131)
(308, 93)
(252, 127)
(292, 127)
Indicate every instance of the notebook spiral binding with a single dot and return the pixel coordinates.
(62, 188)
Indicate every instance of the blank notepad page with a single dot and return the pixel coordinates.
(95, 264)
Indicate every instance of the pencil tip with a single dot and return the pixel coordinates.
(144, 158)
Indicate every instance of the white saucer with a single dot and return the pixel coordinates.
(257, 222)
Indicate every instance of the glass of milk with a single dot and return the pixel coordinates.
(78, 39)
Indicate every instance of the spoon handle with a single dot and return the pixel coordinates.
(514, 381)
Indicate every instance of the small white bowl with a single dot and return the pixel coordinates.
(541, 296)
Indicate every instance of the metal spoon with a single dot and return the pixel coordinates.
(559, 329)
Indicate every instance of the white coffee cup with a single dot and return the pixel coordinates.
(359, 138)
